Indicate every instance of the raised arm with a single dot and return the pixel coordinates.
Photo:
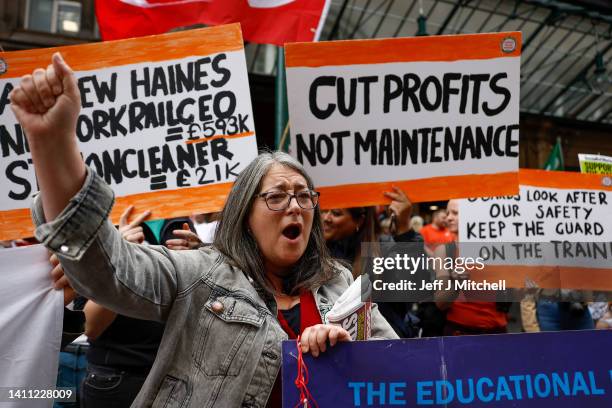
(47, 105)
(401, 208)
(71, 213)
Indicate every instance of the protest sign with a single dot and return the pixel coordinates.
(165, 120)
(436, 116)
(513, 370)
(595, 164)
(31, 314)
(557, 231)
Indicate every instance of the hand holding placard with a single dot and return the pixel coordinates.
(314, 339)
(186, 239)
(401, 208)
(60, 281)
(132, 231)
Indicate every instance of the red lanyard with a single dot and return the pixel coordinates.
(309, 315)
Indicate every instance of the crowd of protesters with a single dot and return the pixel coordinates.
(114, 353)
(202, 304)
(111, 359)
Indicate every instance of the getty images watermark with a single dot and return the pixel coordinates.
(456, 278)
(488, 272)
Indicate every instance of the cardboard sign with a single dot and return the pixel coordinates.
(595, 164)
(436, 116)
(557, 231)
(165, 120)
(563, 369)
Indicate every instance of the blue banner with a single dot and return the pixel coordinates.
(556, 369)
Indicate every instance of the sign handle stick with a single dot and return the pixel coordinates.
(284, 137)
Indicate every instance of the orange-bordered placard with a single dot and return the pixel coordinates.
(438, 116)
(556, 232)
(165, 120)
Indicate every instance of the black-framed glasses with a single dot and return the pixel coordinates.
(280, 200)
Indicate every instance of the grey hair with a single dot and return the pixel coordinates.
(234, 240)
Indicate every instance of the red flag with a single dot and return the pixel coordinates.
(263, 21)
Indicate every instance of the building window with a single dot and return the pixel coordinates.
(39, 14)
(67, 17)
(54, 16)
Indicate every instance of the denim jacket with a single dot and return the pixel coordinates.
(222, 343)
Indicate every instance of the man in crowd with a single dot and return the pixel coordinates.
(436, 233)
(467, 311)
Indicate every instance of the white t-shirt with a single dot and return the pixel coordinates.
(31, 318)
(206, 231)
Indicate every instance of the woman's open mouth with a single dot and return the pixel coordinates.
(292, 231)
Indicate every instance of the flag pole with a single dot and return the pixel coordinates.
(281, 120)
